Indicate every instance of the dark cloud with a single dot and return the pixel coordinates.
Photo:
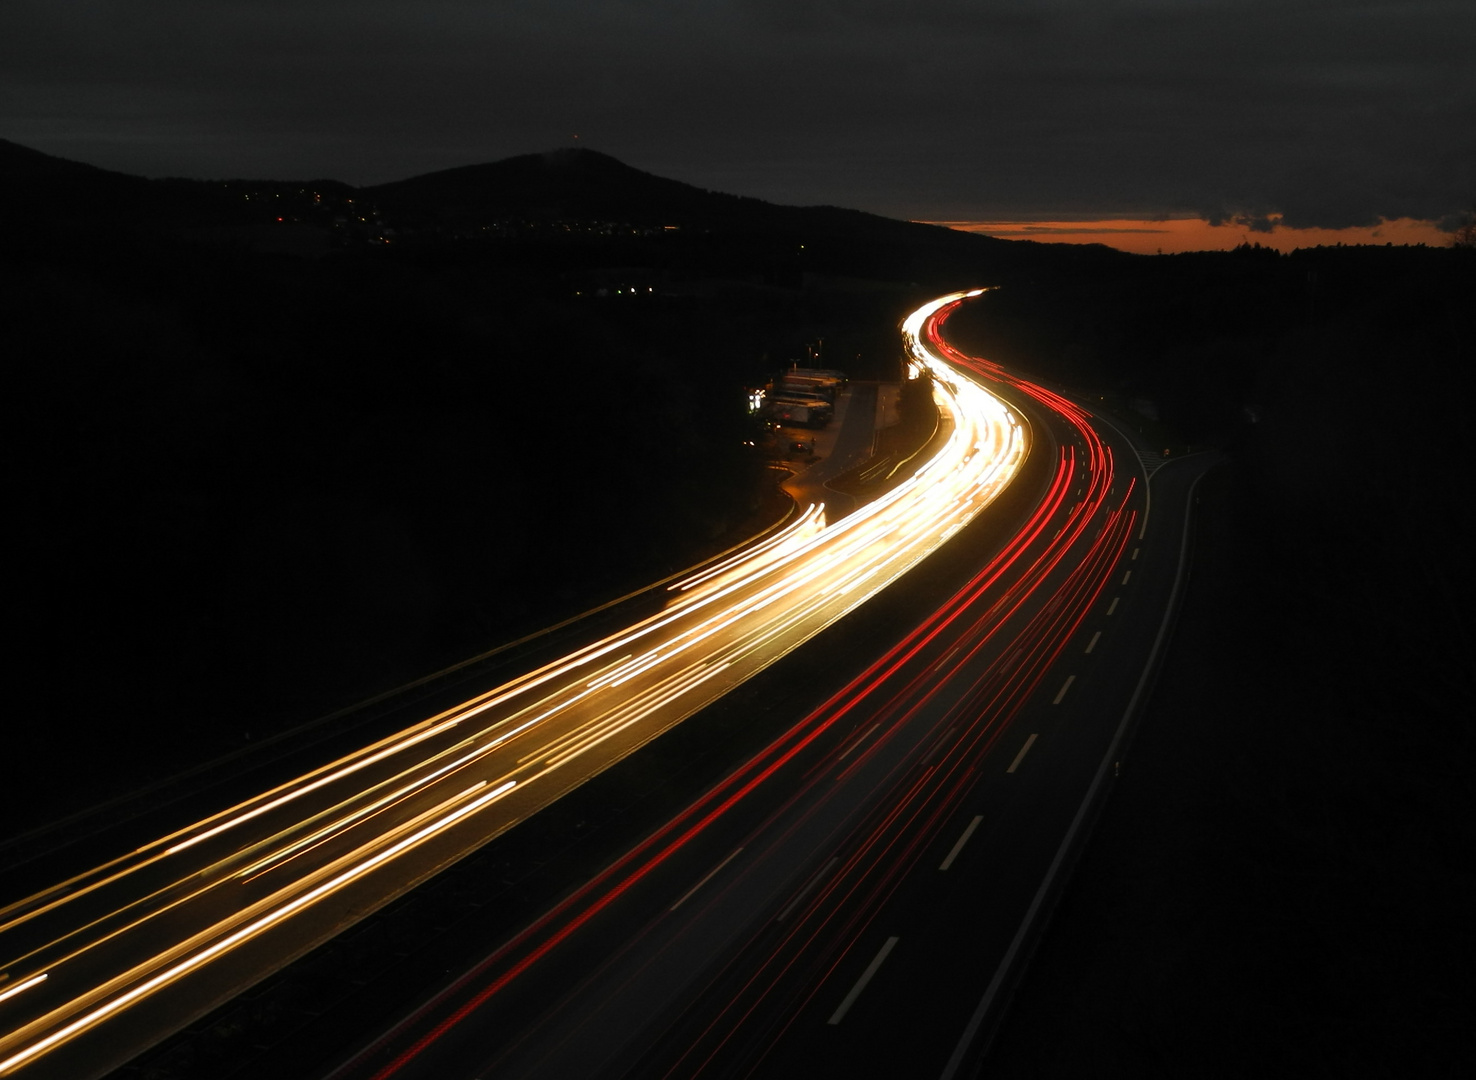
(1321, 111)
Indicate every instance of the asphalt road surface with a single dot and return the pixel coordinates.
(108, 961)
(859, 895)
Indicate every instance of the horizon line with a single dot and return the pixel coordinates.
(1179, 235)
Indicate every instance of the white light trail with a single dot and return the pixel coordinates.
(722, 625)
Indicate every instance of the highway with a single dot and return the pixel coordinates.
(860, 895)
(106, 963)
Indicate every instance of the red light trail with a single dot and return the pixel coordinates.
(1006, 627)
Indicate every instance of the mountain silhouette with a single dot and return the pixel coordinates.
(569, 185)
(577, 184)
(47, 186)
(21, 162)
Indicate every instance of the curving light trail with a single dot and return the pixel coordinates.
(1007, 626)
(238, 885)
(965, 671)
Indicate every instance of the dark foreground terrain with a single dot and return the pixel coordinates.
(256, 474)
(1278, 885)
(1281, 883)
(276, 447)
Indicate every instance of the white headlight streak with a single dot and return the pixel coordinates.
(80, 954)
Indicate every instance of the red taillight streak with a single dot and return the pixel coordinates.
(829, 906)
(957, 606)
(867, 861)
(1053, 629)
(862, 686)
(857, 691)
(580, 919)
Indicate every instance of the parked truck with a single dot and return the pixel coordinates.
(815, 385)
(812, 414)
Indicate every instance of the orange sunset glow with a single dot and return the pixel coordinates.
(1196, 234)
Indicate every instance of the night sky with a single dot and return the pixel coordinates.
(1323, 113)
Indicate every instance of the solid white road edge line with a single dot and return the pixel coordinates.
(971, 1029)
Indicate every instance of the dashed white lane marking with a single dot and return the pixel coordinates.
(1135, 554)
(1113, 606)
(839, 1014)
(947, 658)
(1126, 576)
(964, 839)
(937, 747)
(859, 741)
(1064, 687)
(710, 874)
(820, 875)
(1093, 643)
(1021, 755)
